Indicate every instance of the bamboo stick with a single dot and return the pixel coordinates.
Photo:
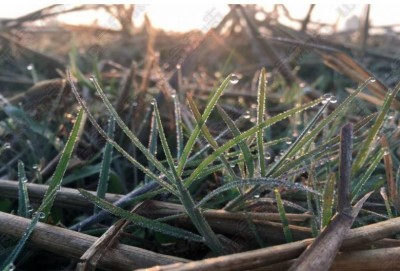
(73, 244)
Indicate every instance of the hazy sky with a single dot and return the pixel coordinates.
(185, 16)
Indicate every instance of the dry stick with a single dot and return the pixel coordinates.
(276, 254)
(92, 256)
(365, 260)
(73, 244)
(321, 253)
(307, 18)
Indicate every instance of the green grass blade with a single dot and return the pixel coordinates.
(271, 183)
(207, 111)
(235, 141)
(23, 199)
(141, 221)
(195, 215)
(313, 133)
(328, 200)
(387, 202)
(319, 150)
(242, 145)
(56, 179)
(178, 125)
(106, 163)
(374, 163)
(282, 214)
(298, 141)
(132, 160)
(362, 155)
(260, 119)
(213, 143)
(9, 262)
(152, 143)
(150, 157)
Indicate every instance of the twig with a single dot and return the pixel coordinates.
(73, 244)
(266, 256)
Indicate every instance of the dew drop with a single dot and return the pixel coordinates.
(7, 146)
(234, 79)
(153, 102)
(372, 79)
(387, 152)
(30, 67)
(24, 180)
(92, 78)
(267, 156)
(11, 267)
(173, 94)
(333, 100)
(246, 115)
(289, 141)
(257, 196)
(40, 214)
(178, 67)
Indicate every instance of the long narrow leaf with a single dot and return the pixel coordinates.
(141, 221)
(271, 183)
(362, 155)
(132, 160)
(327, 200)
(105, 164)
(260, 119)
(245, 135)
(207, 111)
(9, 262)
(150, 157)
(242, 145)
(56, 179)
(282, 214)
(209, 137)
(195, 215)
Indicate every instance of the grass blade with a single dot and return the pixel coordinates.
(207, 111)
(106, 163)
(132, 160)
(260, 119)
(272, 183)
(329, 118)
(178, 125)
(246, 134)
(282, 214)
(56, 179)
(374, 163)
(195, 215)
(242, 145)
(328, 200)
(152, 144)
(150, 157)
(213, 143)
(362, 155)
(23, 199)
(141, 221)
(9, 262)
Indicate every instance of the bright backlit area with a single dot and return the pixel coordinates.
(189, 16)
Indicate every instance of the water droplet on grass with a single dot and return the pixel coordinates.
(333, 100)
(30, 67)
(7, 146)
(234, 79)
(372, 79)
